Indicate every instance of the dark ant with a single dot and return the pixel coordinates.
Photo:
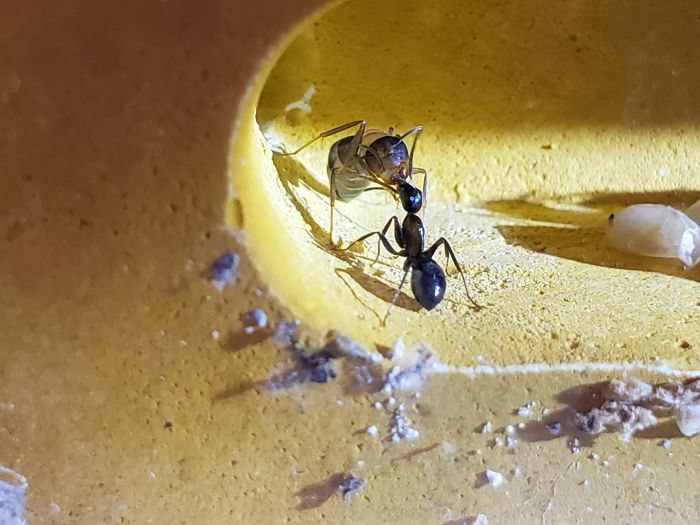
(428, 280)
(372, 157)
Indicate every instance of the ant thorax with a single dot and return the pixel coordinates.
(386, 156)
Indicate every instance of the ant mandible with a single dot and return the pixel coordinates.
(372, 157)
(428, 281)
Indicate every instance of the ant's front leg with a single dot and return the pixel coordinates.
(450, 253)
(425, 188)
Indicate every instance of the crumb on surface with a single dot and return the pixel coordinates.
(492, 478)
(400, 429)
(554, 429)
(486, 428)
(350, 486)
(254, 319)
(224, 270)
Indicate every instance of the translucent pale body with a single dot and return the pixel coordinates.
(653, 230)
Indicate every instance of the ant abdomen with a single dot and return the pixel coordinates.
(428, 283)
(353, 178)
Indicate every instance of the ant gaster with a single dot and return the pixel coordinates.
(428, 281)
(372, 157)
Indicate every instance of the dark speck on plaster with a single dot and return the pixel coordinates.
(350, 486)
(224, 270)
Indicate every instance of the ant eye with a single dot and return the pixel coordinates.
(611, 217)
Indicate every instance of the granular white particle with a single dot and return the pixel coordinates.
(494, 479)
(378, 405)
(372, 430)
(486, 428)
(666, 443)
(215, 335)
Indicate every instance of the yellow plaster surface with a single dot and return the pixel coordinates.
(118, 404)
(540, 120)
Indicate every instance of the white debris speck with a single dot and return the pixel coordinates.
(545, 411)
(304, 103)
(248, 330)
(397, 350)
(511, 442)
(517, 472)
(224, 270)
(152, 475)
(410, 378)
(495, 442)
(339, 402)
(486, 428)
(638, 467)
(493, 478)
(255, 319)
(400, 428)
(663, 171)
(585, 483)
(350, 486)
(182, 343)
(594, 457)
(215, 335)
(605, 463)
(666, 443)
(372, 430)
(258, 292)
(480, 519)
(378, 405)
(54, 508)
(448, 448)
(575, 446)
(509, 429)
(688, 419)
(526, 410)
(554, 429)
(391, 401)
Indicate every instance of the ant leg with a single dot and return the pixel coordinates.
(396, 295)
(360, 133)
(332, 192)
(397, 233)
(448, 251)
(416, 133)
(382, 239)
(425, 188)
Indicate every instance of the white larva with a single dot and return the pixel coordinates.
(653, 230)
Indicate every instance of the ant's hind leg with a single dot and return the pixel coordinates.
(396, 295)
(382, 239)
(451, 254)
(356, 139)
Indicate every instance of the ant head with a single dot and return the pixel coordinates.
(411, 197)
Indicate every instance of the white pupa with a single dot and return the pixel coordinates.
(653, 230)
